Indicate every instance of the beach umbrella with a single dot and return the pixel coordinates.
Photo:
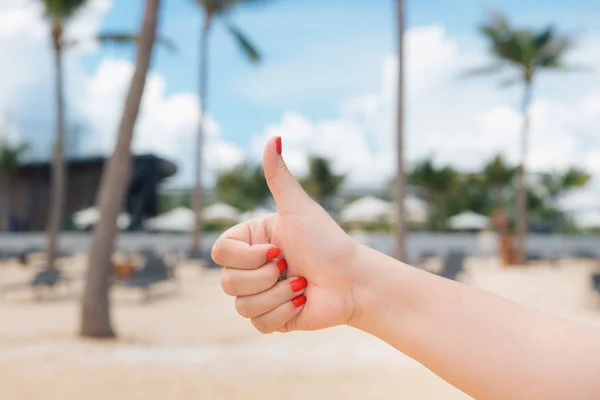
(469, 220)
(416, 209)
(367, 209)
(220, 212)
(179, 219)
(89, 217)
(256, 213)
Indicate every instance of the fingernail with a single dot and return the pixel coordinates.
(278, 144)
(282, 265)
(298, 284)
(272, 253)
(299, 301)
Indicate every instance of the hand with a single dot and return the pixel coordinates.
(300, 236)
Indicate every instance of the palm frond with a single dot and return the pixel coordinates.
(554, 51)
(508, 82)
(246, 46)
(482, 70)
(128, 38)
(543, 37)
(228, 4)
(497, 28)
(62, 9)
(10, 157)
(525, 49)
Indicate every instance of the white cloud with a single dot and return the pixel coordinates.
(167, 123)
(26, 87)
(459, 122)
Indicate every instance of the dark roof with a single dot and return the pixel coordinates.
(166, 167)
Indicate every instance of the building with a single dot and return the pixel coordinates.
(30, 190)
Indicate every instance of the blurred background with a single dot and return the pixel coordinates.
(460, 137)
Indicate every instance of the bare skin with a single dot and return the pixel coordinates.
(487, 346)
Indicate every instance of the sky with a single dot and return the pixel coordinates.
(326, 85)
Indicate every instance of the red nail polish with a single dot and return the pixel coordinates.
(299, 301)
(272, 253)
(298, 284)
(278, 144)
(282, 265)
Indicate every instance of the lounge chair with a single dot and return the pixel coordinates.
(198, 255)
(596, 282)
(44, 278)
(154, 271)
(533, 256)
(453, 265)
(584, 254)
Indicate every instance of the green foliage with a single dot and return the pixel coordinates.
(62, 9)
(248, 49)
(558, 183)
(215, 7)
(525, 51)
(380, 227)
(167, 202)
(123, 38)
(210, 226)
(221, 9)
(450, 192)
(438, 185)
(321, 181)
(9, 158)
(243, 187)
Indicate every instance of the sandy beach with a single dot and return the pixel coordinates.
(188, 342)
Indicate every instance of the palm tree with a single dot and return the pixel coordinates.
(321, 182)
(400, 245)
(213, 9)
(243, 186)
(524, 52)
(559, 183)
(95, 313)
(498, 177)
(58, 12)
(438, 184)
(9, 162)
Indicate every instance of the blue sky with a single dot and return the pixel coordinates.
(327, 85)
(316, 52)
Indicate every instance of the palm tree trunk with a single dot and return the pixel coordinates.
(59, 175)
(400, 246)
(5, 204)
(522, 176)
(95, 317)
(202, 89)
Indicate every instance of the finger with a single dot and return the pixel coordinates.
(240, 282)
(234, 253)
(262, 303)
(275, 319)
(287, 191)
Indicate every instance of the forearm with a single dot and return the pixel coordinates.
(488, 347)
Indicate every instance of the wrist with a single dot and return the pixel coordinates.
(365, 286)
(382, 286)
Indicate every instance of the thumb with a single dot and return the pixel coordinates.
(287, 191)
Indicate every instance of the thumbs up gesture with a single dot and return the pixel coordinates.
(301, 241)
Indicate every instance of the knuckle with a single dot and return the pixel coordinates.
(285, 170)
(271, 274)
(261, 326)
(228, 283)
(242, 307)
(217, 252)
